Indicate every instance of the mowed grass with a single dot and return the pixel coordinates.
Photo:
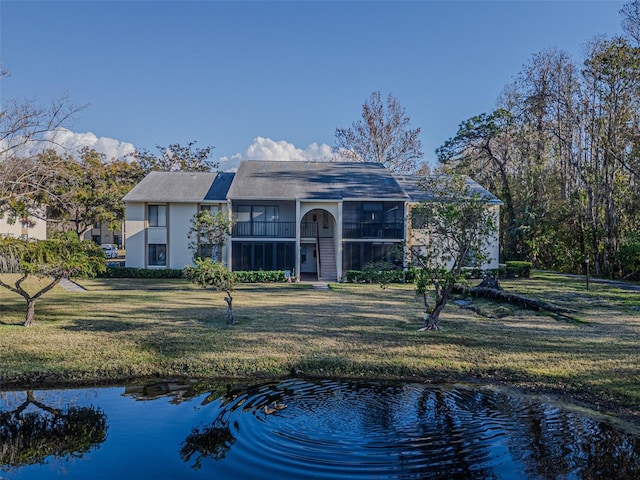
(126, 329)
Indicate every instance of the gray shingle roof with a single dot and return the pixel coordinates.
(181, 187)
(412, 185)
(272, 180)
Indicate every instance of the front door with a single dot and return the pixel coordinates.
(308, 254)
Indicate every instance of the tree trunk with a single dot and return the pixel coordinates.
(229, 300)
(431, 318)
(30, 318)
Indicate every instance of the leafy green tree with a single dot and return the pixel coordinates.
(87, 189)
(458, 225)
(629, 255)
(481, 150)
(208, 234)
(382, 136)
(54, 259)
(176, 158)
(213, 275)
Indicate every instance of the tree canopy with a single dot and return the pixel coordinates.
(562, 150)
(176, 158)
(54, 259)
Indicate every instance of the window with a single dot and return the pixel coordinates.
(256, 220)
(157, 215)
(157, 255)
(210, 208)
(263, 256)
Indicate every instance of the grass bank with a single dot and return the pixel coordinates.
(124, 329)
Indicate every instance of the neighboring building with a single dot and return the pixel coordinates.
(101, 234)
(315, 219)
(27, 229)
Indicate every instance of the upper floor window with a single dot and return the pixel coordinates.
(257, 213)
(157, 215)
(210, 208)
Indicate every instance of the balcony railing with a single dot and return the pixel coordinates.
(393, 231)
(264, 229)
(308, 230)
(388, 231)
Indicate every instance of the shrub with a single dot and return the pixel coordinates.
(517, 269)
(261, 276)
(130, 272)
(395, 275)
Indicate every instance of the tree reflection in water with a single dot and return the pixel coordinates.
(31, 435)
(213, 442)
(324, 428)
(433, 432)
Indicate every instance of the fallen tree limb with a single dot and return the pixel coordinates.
(517, 299)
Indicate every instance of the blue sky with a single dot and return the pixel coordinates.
(275, 79)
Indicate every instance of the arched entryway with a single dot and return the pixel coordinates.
(318, 229)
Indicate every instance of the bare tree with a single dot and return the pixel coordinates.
(27, 129)
(25, 126)
(631, 19)
(382, 136)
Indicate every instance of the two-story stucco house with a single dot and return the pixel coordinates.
(32, 228)
(315, 219)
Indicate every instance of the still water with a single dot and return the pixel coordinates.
(297, 428)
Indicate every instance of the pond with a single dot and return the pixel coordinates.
(300, 428)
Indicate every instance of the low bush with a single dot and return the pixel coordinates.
(130, 272)
(381, 276)
(261, 276)
(517, 269)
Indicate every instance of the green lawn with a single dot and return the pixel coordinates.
(124, 329)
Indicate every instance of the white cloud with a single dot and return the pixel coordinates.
(66, 141)
(267, 149)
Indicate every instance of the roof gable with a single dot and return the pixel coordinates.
(181, 187)
(412, 185)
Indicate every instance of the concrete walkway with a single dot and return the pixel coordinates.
(635, 287)
(71, 286)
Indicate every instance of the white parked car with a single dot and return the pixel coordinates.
(110, 250)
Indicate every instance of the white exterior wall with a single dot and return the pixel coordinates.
(136, 243)
(493, 243)
(36, 229)
(179, 222)
(174, 235)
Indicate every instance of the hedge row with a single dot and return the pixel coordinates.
(241, 277)
(381, 276)
(509, 270)
(261, 276)
(130, 272)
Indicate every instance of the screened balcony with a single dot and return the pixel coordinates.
(264, 230)
(365, 230)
